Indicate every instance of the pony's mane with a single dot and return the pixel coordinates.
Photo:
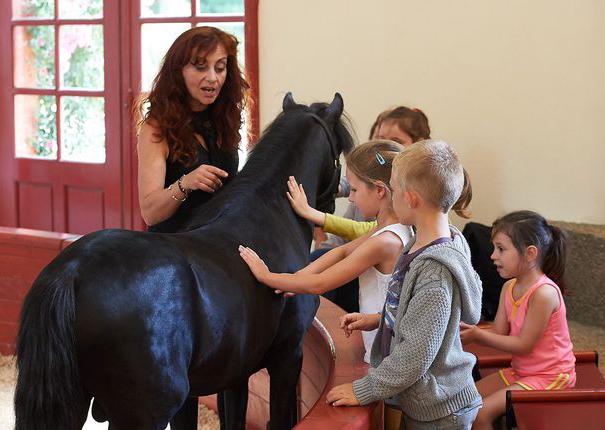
(262, 157)
(283, 126)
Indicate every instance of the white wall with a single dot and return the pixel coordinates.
(518, 87)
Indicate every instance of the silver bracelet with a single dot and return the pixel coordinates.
(175, 197)
(181, 188)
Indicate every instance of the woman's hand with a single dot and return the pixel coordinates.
(359, 321)
(468, 333)
(255, 263)
(207, 178)
(342, 395)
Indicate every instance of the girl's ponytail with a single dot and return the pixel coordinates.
(527, 228)
(553, 264)
(461, 205)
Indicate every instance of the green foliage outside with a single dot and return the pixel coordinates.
(44, 144)
(39, 8)
(205, 6)
(86, 70)
(222, 6)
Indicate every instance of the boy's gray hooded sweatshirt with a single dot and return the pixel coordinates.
(427, 374)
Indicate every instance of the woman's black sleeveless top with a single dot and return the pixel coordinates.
(228, 161)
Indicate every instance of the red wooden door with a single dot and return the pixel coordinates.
(60, 142)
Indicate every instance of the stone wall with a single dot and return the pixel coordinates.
(585, 273)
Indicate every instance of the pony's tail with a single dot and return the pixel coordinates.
(48, 393)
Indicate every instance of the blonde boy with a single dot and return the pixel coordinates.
(417, 359)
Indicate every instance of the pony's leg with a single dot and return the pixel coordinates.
(135, 426)
(82, 407)
(186, 417)
(141, 411)
(143, 398)
(283, 379)
(284, 360)
(232, 406)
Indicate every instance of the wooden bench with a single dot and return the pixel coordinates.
(490, 360)
(582, 407)
(555, 410)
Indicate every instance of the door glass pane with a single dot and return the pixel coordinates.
(165, 8)
(80, 9)
(155, 41)
(34, 56)
(236, 29)
(33, 9)
(83, 129)
(35, 126)
(225, 7)
(81, 54)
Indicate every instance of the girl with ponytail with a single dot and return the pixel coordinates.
(531, 321)
(371, 257)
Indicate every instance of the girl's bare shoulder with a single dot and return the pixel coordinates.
(386, 241)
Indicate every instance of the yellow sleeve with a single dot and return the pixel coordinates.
(347, 228)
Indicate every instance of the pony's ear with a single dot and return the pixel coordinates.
(334, 111)
(288, 102)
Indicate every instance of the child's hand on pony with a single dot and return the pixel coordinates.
(257, 266)
(359, 321)
(298, 199)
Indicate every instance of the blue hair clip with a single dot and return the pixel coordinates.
(380, 159)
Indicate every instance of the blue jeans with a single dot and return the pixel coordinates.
(460, 420)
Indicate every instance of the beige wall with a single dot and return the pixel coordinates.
(518, 87)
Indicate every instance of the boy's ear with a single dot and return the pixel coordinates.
(412, 198)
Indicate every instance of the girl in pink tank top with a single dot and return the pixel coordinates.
(531, 321)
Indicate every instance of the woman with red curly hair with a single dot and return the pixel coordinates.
(189, 137)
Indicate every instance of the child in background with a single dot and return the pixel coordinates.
(531, 320)
(417, 359)
(370, 257)
(402, 125)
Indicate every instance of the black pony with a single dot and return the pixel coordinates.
(145, 322)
